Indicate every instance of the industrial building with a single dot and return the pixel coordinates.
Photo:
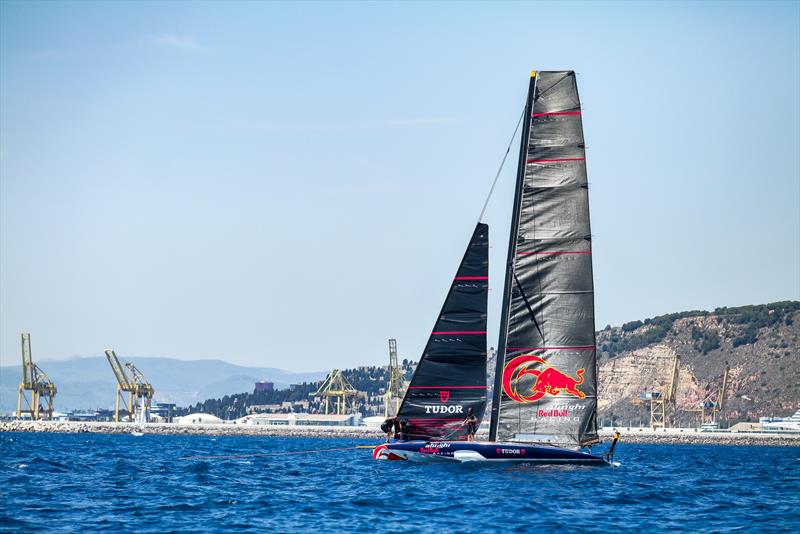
(304, 419)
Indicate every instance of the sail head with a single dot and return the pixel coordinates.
(451, 375)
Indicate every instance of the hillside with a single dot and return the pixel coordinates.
(760, 343)
(87, 383)
(369, 381)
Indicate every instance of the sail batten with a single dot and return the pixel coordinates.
(545, 389)
(451, 375)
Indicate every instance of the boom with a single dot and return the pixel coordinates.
(119, 372)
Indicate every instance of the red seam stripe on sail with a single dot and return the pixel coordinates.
(554, 252)
(554, 160)
(459, 332)
(471, 278)
(583, 347)
(446, 387)
(556, 113)
(437, 419)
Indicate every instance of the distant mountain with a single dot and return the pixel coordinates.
(89, 383)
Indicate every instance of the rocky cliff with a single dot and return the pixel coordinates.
(760, 344)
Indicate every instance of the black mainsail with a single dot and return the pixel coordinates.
(451, 375)
(546, 378)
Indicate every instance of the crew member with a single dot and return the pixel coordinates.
(405, 428)
(388, 427)
(472, 425)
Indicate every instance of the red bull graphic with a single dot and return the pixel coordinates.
(549, 381)
(382, 452)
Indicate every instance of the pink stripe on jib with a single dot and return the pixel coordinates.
(584, 347)
(471, 278)
(458, 332)
(447, 387)
(438, 419)
(548, 252)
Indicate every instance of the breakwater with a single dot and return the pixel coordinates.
(629, 435)
(189, 430)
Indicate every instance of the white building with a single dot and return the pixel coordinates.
(303, 419)
(198, 419)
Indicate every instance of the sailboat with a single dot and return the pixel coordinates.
(141, 419)
(544, 401)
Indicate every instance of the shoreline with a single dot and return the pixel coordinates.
(629, 435)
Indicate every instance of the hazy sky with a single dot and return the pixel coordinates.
(289, 185)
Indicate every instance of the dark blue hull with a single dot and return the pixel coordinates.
(483, 451)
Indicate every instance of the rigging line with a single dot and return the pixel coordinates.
(503, 162)
(527, 305)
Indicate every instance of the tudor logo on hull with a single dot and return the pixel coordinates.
(549, 380)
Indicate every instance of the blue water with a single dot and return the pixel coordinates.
(90, 482)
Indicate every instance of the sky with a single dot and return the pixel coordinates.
(291, 184)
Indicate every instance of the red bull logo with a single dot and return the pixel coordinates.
(549, 381)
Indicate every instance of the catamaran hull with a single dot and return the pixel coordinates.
(478, 451)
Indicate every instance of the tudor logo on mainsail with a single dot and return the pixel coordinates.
(444, 395)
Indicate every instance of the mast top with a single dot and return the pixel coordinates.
(533, 74)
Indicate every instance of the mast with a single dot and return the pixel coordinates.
(501, 343)
(450, 378)
(546, 378)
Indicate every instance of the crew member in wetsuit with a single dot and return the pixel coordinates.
(472, 425)
(405, 428)
(390, 426)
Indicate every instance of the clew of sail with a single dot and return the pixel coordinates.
(451, 375)
(546, 377)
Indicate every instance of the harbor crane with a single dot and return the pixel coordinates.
(137, 387)
(709, 409)
(35, 381)
(336, 385)
(659, 401)
(394, 393)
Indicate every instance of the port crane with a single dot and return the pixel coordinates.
(659, 401)
(336, 385)
(137, 387)
(35, 381)
(710, 409)
(394, 393)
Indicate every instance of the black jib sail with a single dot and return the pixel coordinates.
(545, 381)
(451, 375)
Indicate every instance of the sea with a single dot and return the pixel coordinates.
(162, 483)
